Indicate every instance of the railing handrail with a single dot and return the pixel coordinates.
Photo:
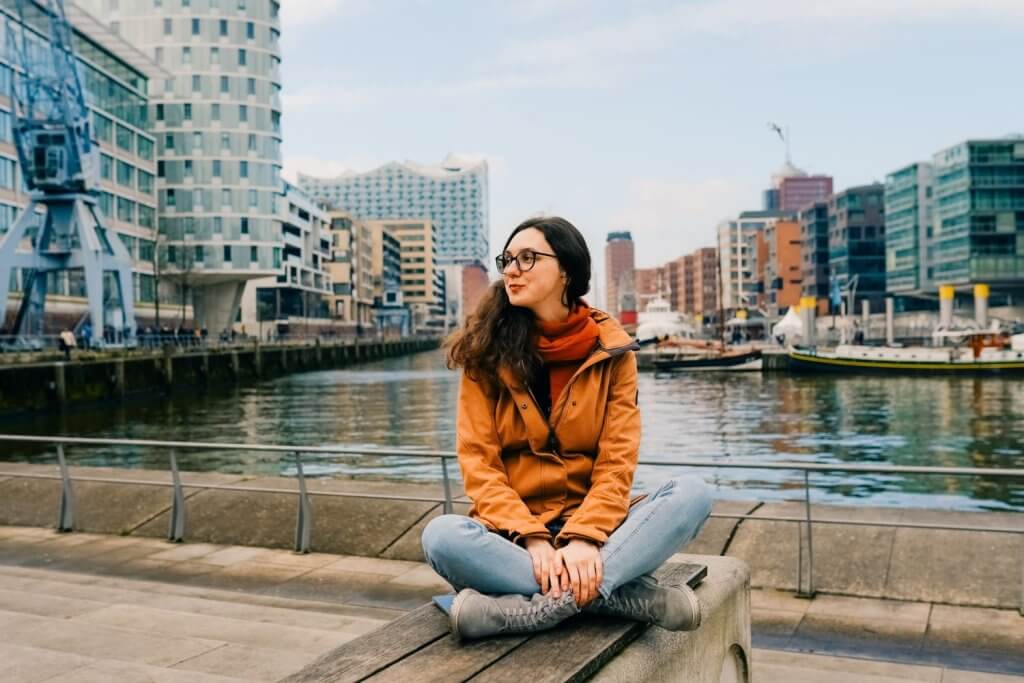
(866, 468)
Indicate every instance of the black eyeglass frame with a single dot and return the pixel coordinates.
(502, 262)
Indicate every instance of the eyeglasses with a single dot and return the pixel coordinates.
(524, 260)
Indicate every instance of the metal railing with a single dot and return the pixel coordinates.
(303, 526)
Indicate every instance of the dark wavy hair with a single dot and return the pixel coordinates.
(499, 334)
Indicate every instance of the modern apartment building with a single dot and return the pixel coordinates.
(908, 227)
(296, 300)
(783, 273)
(116, 80)
(737, 253)
(217, 123)
(453, 195)
(352, 297)
(423, 284)
(856, 246)
(978, 219)
(814, 254)
(391, 317)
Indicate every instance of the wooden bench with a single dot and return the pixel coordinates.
(419, 647)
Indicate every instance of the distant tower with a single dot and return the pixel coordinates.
(618, 259)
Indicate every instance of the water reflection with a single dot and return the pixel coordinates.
(409, 402)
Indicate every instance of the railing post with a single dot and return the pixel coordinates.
(305, 520)
(176, 528)
(448, 509)
(66, 514)
(809, 593)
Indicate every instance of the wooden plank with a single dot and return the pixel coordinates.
(449, 660)
(370, 653)
(575, 650)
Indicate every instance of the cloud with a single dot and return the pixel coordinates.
(670, 217)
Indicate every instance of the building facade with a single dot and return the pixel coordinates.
(452, 194)
(797, 192)
(737, 253)
(856, 246)
(296, 301)
(650, 284)
(619, 258)
(783, 272)
(908, 226)
(705, 284)
(116, 80)
(423, 283)
(978, 220)
(217, 123)
(352, 296)
(391, 317)
(814, 236)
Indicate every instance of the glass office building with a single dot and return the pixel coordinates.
(978, 231)
(115, 78)
(908, 225)
(453, 195)
(217, 122)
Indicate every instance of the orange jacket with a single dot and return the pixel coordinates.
(523, 472)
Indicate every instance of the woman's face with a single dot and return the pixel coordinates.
(540, 288)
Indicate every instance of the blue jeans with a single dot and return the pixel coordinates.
(468, 555)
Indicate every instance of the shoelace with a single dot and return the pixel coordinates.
(630, 606)
(528, 617)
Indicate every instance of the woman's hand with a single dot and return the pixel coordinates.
(546, 565)
(582, 561)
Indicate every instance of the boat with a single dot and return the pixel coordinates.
(985, 351)
(743, 360)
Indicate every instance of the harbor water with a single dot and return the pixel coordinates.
(410, 402)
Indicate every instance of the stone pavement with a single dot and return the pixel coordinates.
(90, 607)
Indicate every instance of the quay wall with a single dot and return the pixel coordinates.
(55, 385)
(970, 568)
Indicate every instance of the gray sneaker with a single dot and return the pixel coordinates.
(475, 615)
(644, 599)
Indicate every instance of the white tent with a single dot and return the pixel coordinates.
(790, 326)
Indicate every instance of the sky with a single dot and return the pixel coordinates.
(646, 116)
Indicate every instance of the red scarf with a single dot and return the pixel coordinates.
(564, 345)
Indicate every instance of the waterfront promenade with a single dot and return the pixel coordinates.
(93, 607)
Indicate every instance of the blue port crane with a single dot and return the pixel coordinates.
(62, 228)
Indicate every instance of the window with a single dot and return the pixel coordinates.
(223, 27)
(277, 257)
(145, 182)
(197, 140)
(104, 127)
(125, 210)
(250, 86)
(218, 225)
(186, 55)
(145, 148)
(250, 30)
(195, 27)
(188, 111)
(241, 57)
(158, 55)
(225, 197)
(214, 55)
(197, 83)
(225, 85)
(169, 141)
(172, 254)
(225, 142)
(106, 167)
(243, 169)
(245, 225)
(215, 112)
(167, 27)
(198, 253)
(145, 246)
(197, 200)
(252, 142)
(125, 139)
(254, 199)
(159, 112)
(160, 169)
(241, 4)
(146, 216)
(188, 168)
(171, 199)
(227, 253)
(254, 255)
(216, 168)
(125, 174)
(243, 113)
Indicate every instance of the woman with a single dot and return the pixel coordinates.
(548, 432)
